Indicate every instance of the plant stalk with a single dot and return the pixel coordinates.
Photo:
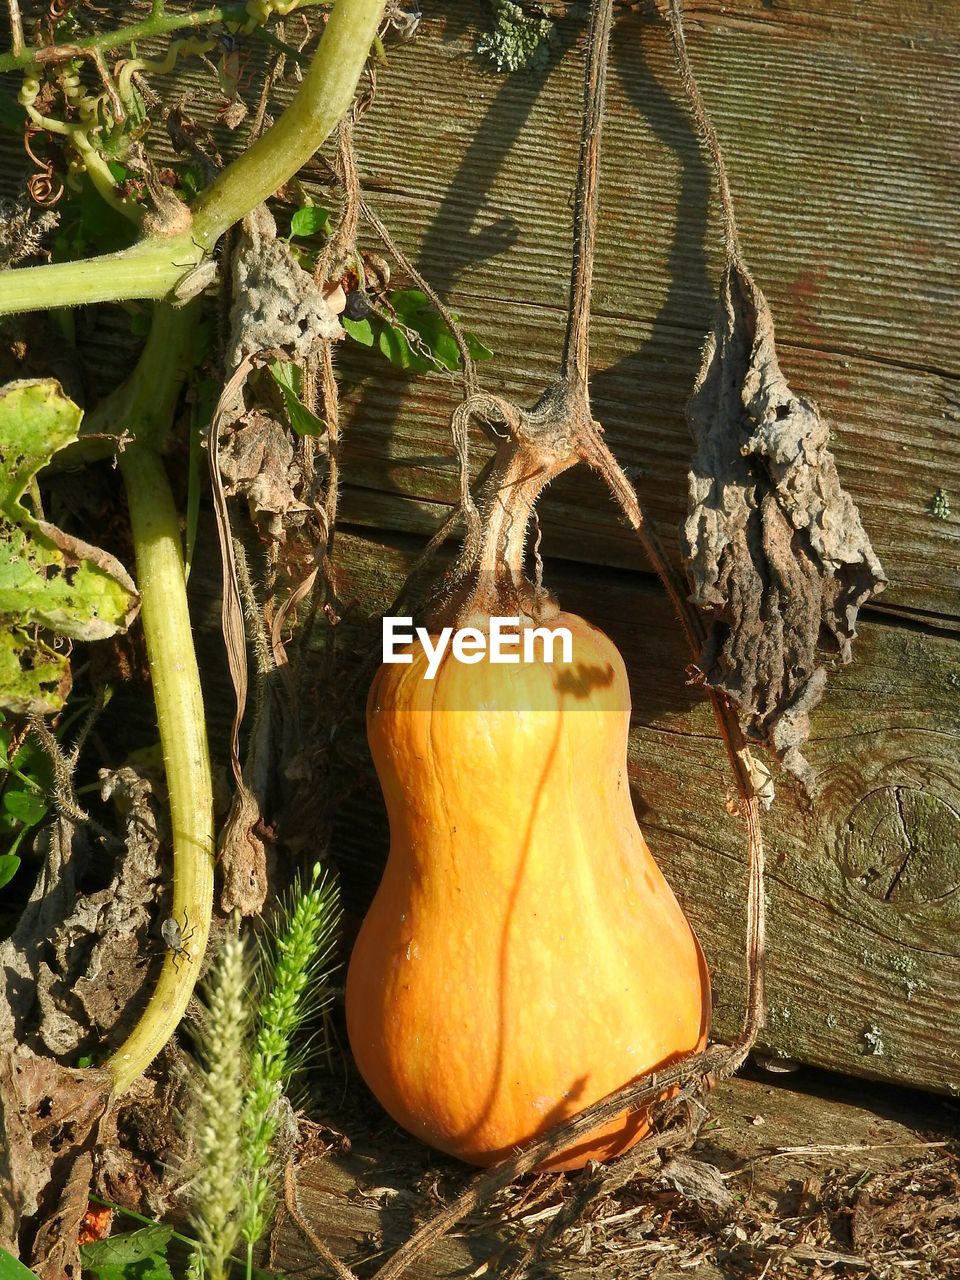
(144, 407)
(158, 24)
(183, 737)
(152, 267)
(324, 96)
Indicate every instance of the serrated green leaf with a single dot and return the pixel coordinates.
(359, 330)
(135, 1255)
(9, 866)
(308, 220)
(48, 578)
(11, 1269)
(289, 379)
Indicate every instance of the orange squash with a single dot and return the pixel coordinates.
(524, 956)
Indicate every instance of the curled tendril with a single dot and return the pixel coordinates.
(92, 113)
(43, 187)
(125, 70)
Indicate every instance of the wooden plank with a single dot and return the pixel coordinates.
(864, 879)
(774, 1149)
(848, 215)
(397, 447)
(840, 123)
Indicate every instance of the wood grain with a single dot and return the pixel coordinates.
(864, 878)
(840, 124)
(841, 142)
(362, 1202)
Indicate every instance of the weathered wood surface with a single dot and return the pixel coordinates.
(864, 882)
(774, 1152)
(840, 127)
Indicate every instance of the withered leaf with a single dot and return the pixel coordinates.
(275, 302)
(258, 461)
(774, 546)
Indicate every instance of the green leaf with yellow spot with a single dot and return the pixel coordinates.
(51, 583)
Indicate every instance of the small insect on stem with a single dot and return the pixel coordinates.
(177, 938)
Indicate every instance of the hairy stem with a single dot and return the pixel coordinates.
(152, 267)
(707, 132)
(144, 407)
(575, 362)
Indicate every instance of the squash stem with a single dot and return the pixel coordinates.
(183, 737)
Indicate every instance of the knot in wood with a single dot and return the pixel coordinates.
(903, 846)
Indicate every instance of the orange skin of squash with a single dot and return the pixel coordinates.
(523, 956)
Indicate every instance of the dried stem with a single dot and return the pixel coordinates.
(575, 362)
(705, 125)
(16, 28)
(640, 1159)
(231, 606)
(467, 506)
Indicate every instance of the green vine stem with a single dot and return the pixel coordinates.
(183, 736)
(157, 25)
(153, 266)
(138, 414)
(144, 407)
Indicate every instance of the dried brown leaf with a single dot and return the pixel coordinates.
(774, 546)
(697, 1180)
(243, 856)
(258, 462)
(51, 1117)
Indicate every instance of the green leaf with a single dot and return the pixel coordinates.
(359, 330)
(33, 760)
(89, 224)
(11, 1269)
(408, 303)
(9, 866)
(477, 349)
(414, 309)
(33, 678)
(394, 345)
(289, 379)
(27, 807)
(135, 1255)
(48, 578)
(308, 220)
